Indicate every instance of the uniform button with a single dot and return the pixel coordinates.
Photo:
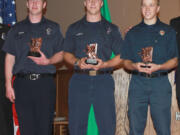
(155, 41)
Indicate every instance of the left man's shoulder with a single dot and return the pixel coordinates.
(166, 27)
(111, 25)
(51, 23)
(175, 20)
(111, 28)
(52, 26)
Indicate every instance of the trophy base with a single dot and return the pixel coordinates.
(34, 54)
(146, 66)
(91, 61)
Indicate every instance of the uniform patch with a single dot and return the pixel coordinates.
(162, 32)
(48, 31)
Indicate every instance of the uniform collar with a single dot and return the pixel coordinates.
(43, 19)
(84, 20)
(151, 26)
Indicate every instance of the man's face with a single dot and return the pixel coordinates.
(149, 9)
(93, 7)
(36, 7)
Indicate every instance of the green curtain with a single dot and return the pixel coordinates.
(92, 128)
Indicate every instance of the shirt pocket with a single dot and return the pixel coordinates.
(22, 42)
(160, 50)
(80, 44)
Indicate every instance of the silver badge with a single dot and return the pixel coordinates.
(48, 31)
(3, 36)
(79, 34)
(20, 33)
(109, 30)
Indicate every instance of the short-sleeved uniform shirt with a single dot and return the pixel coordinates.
(3, 32)
(19, 40)
(82, 33)
(159, 36)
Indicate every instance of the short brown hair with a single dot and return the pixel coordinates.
(158, 2)
(42, 0)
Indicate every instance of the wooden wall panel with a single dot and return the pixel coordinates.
(62, 81)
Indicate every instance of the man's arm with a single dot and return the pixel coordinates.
(108, 64)
(170, 64)
(72, 60)
(43, 60)
(9, 63)
(129, 65)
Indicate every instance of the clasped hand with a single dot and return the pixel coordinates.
(82, 64)
(147, 68)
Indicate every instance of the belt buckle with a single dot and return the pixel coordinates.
(148, 75)
(34, 76)
(92, 73)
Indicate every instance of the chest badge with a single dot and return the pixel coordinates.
(48, 31)
(109, 30)
(20, 33)
(79, 34)
(162, 32)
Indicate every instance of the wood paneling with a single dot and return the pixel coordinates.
(62, 81)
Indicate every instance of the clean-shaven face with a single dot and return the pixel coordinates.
(36, 7)
(150, 9)
(93, 7)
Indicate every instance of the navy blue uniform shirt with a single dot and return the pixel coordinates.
(3, 33)
(159, 35)
(105, 34)
(19, 39)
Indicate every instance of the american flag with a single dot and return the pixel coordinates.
(7, 12)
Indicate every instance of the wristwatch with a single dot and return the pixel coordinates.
(76, 62)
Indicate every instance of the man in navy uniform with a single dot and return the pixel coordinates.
(175, 23)
(88, 46)
(150, 51)
(6, 127)
(34, 88)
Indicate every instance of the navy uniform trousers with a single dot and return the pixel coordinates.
(35, 102)
(85, 90)
(6, 118)
(155, 92)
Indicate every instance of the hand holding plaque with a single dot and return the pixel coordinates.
(146, 56)
(35, 46)
(91, 51)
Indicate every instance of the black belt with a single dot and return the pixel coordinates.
(34, 76)
(92, 72)
(153, 75)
